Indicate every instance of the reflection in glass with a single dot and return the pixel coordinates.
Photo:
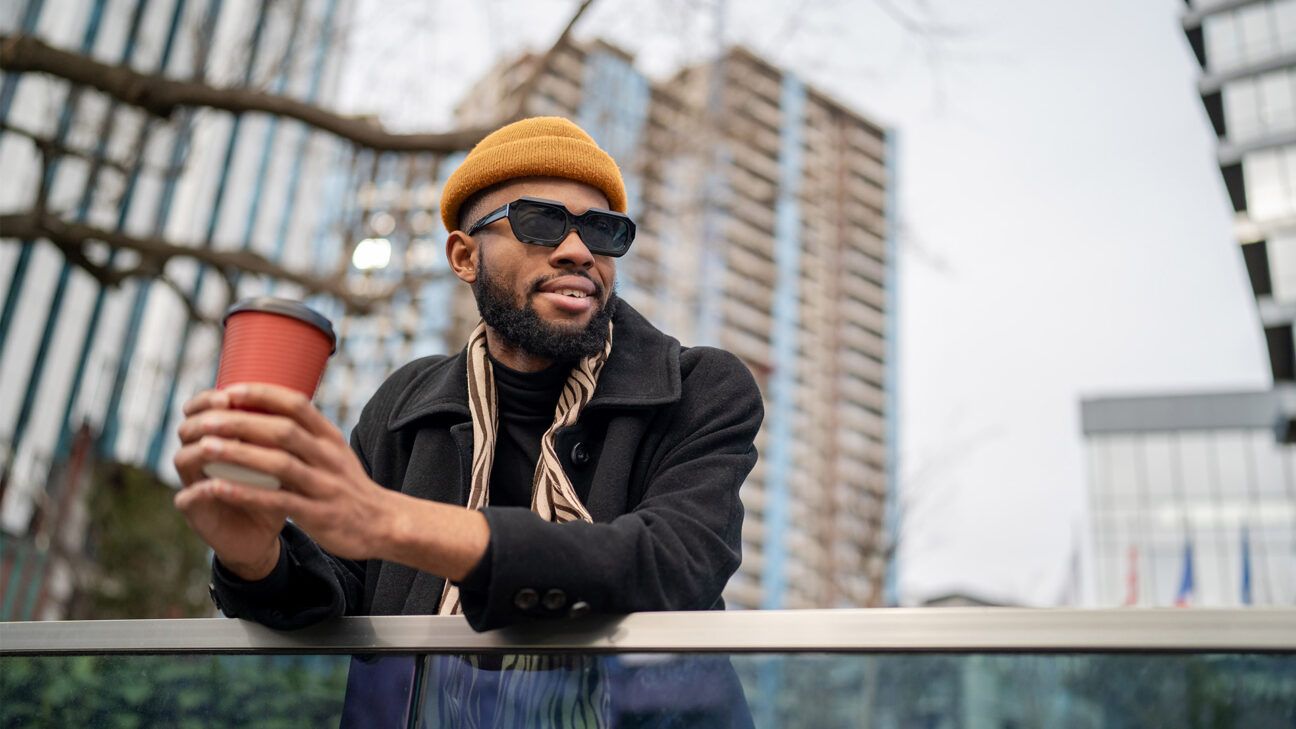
(1083, 691)
(1089, 691)
(379, 692)
(171, 691)
(659, 690)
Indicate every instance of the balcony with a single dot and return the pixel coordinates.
(938, 667)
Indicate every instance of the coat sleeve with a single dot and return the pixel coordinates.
(307, 586)
(674, 551)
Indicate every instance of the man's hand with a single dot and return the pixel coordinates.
(278, 431)
(324, 488)
(246, 540)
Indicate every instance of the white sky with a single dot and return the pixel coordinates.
(1065, 232)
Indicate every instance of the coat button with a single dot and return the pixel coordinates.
(554, 600)
(580, 454)
(579, 609)
(526, 599)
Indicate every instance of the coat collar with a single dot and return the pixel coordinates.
(642, 371)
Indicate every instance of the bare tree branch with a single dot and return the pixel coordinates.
(155, 253)
(190, 305)
(917, 26)
(43, 143)
(161, 96)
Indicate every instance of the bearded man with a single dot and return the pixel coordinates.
(571, 459)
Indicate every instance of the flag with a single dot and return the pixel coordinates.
(1132, 578)
(1185, 596)
(1246, 566)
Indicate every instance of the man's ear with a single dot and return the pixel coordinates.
(461, 252)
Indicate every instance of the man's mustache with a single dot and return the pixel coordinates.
(540, 282)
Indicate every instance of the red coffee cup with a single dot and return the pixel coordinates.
(276, 341)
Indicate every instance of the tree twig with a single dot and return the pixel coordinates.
(161, 96)
(541, 64)
(190, 305)
(71, 238)
(47, 143)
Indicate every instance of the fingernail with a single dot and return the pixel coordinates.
(220, 400)
(212, 445)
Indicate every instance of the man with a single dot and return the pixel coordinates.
(571, 459)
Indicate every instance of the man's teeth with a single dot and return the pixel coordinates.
(571, 292)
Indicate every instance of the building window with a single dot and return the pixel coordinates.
(1250, 34)
(1222, 50)
(1282, 265)
(1285, 23)
(1270, 176)
(1242, 109)
(1265, 104)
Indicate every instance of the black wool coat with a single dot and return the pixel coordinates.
(657, 457)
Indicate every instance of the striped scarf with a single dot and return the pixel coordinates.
(552, 494)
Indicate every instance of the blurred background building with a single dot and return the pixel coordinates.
(1247, 52)
(93, 373)
(764, 208)
(1192, 501)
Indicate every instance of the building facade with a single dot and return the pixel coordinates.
(1191, 501)
(100, 372)
(763, 211)
(763, 208)
(1247, 52)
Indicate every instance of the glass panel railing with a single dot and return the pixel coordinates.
(635, 690)
(885, 668)
(566, 690)
(172, 691)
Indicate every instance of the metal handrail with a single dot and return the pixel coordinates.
(895, 630)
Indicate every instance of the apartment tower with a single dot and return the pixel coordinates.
(763, 210)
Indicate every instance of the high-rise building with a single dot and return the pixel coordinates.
(1191, 501)
(1247, 52)
(763, 209)
(90, 368)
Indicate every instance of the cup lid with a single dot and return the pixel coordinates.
(285, 307)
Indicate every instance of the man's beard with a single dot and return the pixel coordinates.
(522, 327)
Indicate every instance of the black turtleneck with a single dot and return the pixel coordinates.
(526, 402)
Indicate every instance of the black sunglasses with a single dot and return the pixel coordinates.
(548, 223)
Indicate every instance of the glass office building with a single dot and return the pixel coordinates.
(1247, 52)
(763, 207)
(1191, 501)
(100, 372)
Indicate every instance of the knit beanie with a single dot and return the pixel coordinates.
(542, 146)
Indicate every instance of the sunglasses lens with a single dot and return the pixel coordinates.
(604, 233)
(538, 223)
(544, 223)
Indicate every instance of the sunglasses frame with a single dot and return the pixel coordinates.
(573, 223)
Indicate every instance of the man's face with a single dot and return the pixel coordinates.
(554, 303)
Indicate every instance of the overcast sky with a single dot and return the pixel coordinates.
(1065, 232)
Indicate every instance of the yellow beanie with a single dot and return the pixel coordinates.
(542, 146)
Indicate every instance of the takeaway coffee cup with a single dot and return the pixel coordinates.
(276, 341)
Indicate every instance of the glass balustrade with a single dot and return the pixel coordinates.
(885, 668)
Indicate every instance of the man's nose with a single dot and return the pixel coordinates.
(571, 252)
